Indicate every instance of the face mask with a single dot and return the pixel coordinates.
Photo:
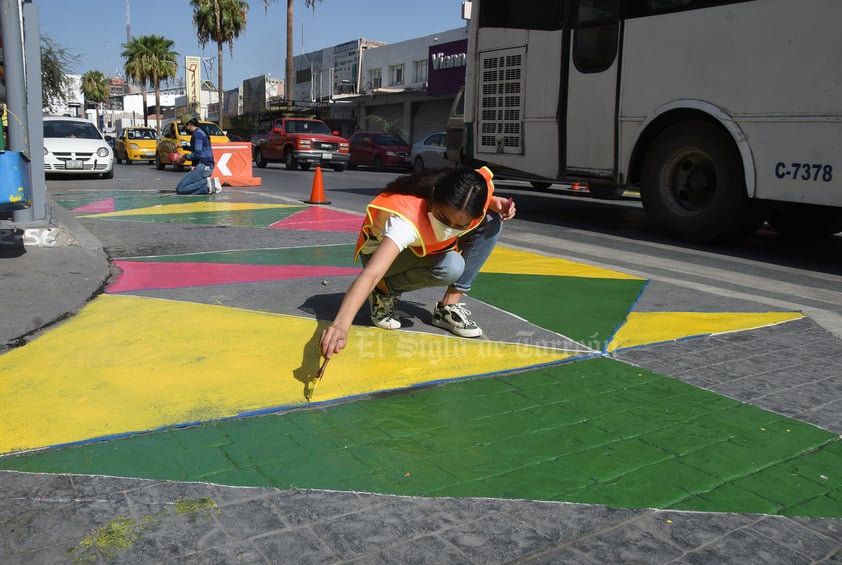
(443, 231)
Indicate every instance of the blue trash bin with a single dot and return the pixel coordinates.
(15, 192)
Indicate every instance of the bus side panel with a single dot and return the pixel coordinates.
(797, 161)
(539, 151)
(772, 65)
(590, 120)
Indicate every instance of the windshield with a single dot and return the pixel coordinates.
(388, 140)
(141, 134)
(211, 129)
(71, 129)
(307, 126)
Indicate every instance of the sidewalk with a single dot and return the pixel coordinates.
(299, 484)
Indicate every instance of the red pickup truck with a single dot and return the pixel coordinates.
(300, 143)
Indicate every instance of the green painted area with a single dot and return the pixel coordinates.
(584, 309)
(596, 431)
(324, 255)
(252, 218)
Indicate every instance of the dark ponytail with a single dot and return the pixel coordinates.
(460, 189)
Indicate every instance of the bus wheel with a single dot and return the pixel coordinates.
(540, 185)
(804, 220)
(692, 184)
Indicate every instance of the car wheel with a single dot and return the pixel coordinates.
(418, 164)
(259, 160)
(158, 164)
(289, 161)
(350, 166)
(339, 168)
(304, 166)
(692, 184)
(128, 161)
(378, 164)
(108, 175)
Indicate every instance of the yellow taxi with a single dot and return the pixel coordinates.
(135, 144)
(175, 139)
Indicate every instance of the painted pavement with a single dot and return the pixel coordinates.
(143, 386)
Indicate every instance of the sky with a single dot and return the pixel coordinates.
(95, 30)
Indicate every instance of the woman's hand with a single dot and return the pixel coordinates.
(504, 206)
(333, 340)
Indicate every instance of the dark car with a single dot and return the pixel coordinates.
(379, 150)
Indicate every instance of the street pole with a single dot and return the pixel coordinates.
(34, 110)
(20, 36)
(12, 27)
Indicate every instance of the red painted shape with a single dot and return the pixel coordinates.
(140, 275)
(99, 206)
(316, 218)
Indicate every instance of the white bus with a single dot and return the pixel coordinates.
(721, 113)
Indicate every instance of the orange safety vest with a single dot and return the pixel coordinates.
(413, 209)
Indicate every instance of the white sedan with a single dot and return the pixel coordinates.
(76, 146)
(430, 153)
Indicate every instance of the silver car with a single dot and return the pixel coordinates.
(75, 146)
(429, 153)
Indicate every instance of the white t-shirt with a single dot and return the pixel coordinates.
(401, 232)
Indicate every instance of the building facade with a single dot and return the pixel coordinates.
(407, 87)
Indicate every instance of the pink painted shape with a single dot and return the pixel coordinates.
(140, 275)
(106, 205)
(316, 218)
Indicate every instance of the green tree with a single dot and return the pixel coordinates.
(289, 57)
(220, 21)
(95, 89)
(150, 59)
(55, 84)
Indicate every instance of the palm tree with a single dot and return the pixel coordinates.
(289, 67)
(220, 21)
(150, 58)
(95, 89)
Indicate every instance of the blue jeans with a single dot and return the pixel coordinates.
(452, 268)
(195, 181)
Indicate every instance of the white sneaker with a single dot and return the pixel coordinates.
(383, 310)
(217, 185)
(454, 318)
(211, 188)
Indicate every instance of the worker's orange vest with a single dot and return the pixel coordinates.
(413, 209)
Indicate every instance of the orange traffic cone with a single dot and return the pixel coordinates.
(317, 194)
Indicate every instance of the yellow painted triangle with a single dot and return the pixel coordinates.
(126, 364)
(189, 208)
(644, 328)
(504, 260)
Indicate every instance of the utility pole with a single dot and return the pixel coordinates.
(22, 54)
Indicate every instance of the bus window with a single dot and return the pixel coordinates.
(516, 14)
(595, 48)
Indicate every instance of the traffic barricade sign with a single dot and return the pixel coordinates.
(233, 164)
